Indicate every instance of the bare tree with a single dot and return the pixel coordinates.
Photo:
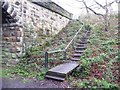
(104, 7)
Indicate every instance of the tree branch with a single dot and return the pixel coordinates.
(117, 1)
(88, 8)
(99, 4)
(95, 12)
(110, 3)
(85, 5)
(104, 7)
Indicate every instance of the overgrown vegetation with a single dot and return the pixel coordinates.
(95, 83)
(32, 63)
(99, 66)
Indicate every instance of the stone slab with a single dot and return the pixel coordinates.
(64, 68)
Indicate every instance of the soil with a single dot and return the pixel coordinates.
(33, 83)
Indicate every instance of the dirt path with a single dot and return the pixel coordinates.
(46, 83)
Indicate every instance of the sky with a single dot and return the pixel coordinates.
(75, 7)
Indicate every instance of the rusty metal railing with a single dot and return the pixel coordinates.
(64, 50)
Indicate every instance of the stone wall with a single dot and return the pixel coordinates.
(34, 18)
(40, 17)
(12, 44)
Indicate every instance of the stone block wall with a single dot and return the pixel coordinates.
(40, 17)
(12, 44)
(33, 18)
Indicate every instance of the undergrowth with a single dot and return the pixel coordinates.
(99, 66)
(31, 64)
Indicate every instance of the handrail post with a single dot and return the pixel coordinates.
(73, 43)
(46, 60)
(65, 54)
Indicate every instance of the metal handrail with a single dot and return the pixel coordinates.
(55, 51)
(73, 38)
(64, 50)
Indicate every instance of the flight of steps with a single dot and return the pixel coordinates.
(62, 71)
(80, 48)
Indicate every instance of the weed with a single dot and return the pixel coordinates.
(95, 84)
(88, 52)
(87, 27)
(83, 70)
(41, 74)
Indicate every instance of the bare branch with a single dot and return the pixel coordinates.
(88, 8)
(110, 3)
(85, 5)
(99, 4)
(95, 12)
(117, 1)
(104, 7)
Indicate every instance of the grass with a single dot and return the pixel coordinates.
(23, 73)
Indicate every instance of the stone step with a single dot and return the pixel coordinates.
(81, 45)
(77, 55)
(88, 34)
(75, 59)
(84, 38)
(55, 77)
(82, 42)
(79, 51)
(81, 48)
(61, 71)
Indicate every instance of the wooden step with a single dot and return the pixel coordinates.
(75, 59)
(60, 72)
